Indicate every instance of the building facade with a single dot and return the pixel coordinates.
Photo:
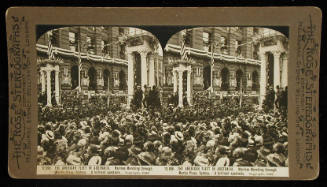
(227, 61)
(95, 60)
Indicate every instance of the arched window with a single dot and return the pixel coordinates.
(122, 80)
(255, 81)
(224, 79)
(92, 78)
(137, 69)
(74, 76)
(240, 80)
(206, 77)
(106, 80)
(270, 69)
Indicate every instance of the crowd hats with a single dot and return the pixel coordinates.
(49, 134)
(200, 160)
(95, 160)
(179, 136)
(146, 158)
(72, 159)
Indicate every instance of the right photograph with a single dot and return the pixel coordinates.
(231, 84)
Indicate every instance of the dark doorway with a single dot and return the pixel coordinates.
(206, 77)
(239, 80)
(270, 69)
(255, 81)
(74, 76)
(137, 69)
(224, 79)
(106, 80)
(92, 78)
(122, 80)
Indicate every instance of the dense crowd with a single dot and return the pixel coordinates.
(223, 136)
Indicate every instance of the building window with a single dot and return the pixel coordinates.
(54, 37)
(72, 41)
(90, 44)
(186, 36)
(238, 48)
(104, 47)
(223, 42)
(206, 41)
(122, 51)
(205, 37)
(256, 51)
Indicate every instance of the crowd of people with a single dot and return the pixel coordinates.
(189, 136)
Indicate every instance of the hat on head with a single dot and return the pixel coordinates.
(278, 148)
(211, 144)
(258, 140)
(179, 136)
(129, 138)
(275, 160)
(239, 152)
(146, 158)
(95, 160)
(82, 142)
(40, 151)
(49, 134)
(201, 161)
(166, 152)
(73, 160)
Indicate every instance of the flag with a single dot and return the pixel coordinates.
(50, 47)
(184, 51)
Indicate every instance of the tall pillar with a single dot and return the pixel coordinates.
(130, 81)
(175, 80)
(284, 71)
(151, 71)
(42, 82)
(79, 76)
(276, 69)
(180, 88)
(144, 75)
(189, 86)
(49, 88)
(263, 80)
(211, 76)
(57, 92)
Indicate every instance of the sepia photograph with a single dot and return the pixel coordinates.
(212, 96)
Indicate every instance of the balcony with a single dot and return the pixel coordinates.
(84, 56)
(217, 56)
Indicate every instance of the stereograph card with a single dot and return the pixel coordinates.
(164, 93)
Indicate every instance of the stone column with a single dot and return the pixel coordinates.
(144, 75)
(276, 69)
(211, 76)
(175, 80)
(284, 71)
(130, 79)
(263, 78)
(151, 71)
(180, 88)
(57, 92)
(42, 81)
(49, 88)
(189, 87)
(79, 76)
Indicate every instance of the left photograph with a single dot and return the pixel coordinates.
(82, 82)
